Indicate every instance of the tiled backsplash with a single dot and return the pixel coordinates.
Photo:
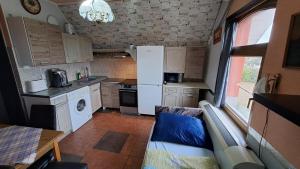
(36, 73)
(114, 67)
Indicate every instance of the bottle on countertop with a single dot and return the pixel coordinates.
(78, 76)
(87, 72)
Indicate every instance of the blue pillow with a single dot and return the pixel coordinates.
(181, 129)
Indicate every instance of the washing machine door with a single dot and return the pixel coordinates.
(80, 111)
(81, 105)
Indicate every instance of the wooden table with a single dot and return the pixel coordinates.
(49, 140)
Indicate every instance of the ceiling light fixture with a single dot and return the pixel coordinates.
(96, 11)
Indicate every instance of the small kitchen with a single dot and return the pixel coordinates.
(62, 65)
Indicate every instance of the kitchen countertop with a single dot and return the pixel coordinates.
(77, 84)
(129, 82)
(112, 80)
(200, 85)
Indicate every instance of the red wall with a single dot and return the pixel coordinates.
(237, 63)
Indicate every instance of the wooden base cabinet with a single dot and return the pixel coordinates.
(63, 119)
(95, 97)
(180, 97)
(110, 95)
(189, 101)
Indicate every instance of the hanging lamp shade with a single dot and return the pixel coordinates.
(96, 11)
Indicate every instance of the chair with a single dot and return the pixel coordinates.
(44, 116)
(6, 167)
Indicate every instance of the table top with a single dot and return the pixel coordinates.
(45, 144)
(286, 106)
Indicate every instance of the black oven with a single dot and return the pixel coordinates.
(128, 97)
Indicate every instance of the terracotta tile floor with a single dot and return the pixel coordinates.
(81, 142)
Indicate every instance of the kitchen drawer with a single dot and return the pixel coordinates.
(59, 99)
(171, 89)
(107, 84)
(190, 91)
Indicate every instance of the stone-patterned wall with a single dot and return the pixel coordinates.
(36, 73)
(150, 22)
(114, 67)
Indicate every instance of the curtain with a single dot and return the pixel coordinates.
(222, 75)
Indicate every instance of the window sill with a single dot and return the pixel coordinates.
(240, 123)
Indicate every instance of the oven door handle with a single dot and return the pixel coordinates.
(131, 91)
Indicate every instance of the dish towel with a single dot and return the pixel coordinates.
(18, 145)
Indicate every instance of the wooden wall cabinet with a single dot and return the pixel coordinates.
(110, 95)
(71, 46)
(56, 46)
(36, 43)
(86, 49)
(175, 59)
(194, 62)
(77, 48)
(181, 97)
(187, 60)
(95, 97)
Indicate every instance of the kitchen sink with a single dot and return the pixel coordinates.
(89, 79)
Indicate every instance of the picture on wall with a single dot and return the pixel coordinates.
(218, 35)
(292, 54)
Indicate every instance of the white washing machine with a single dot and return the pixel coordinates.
(80, 107)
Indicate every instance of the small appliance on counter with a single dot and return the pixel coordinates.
(36, 85)
(173, 77)
(128, 97)
(58, 78)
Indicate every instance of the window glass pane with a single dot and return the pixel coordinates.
(243, 74)
(255, 29)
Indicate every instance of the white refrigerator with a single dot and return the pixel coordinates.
(150, 61)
